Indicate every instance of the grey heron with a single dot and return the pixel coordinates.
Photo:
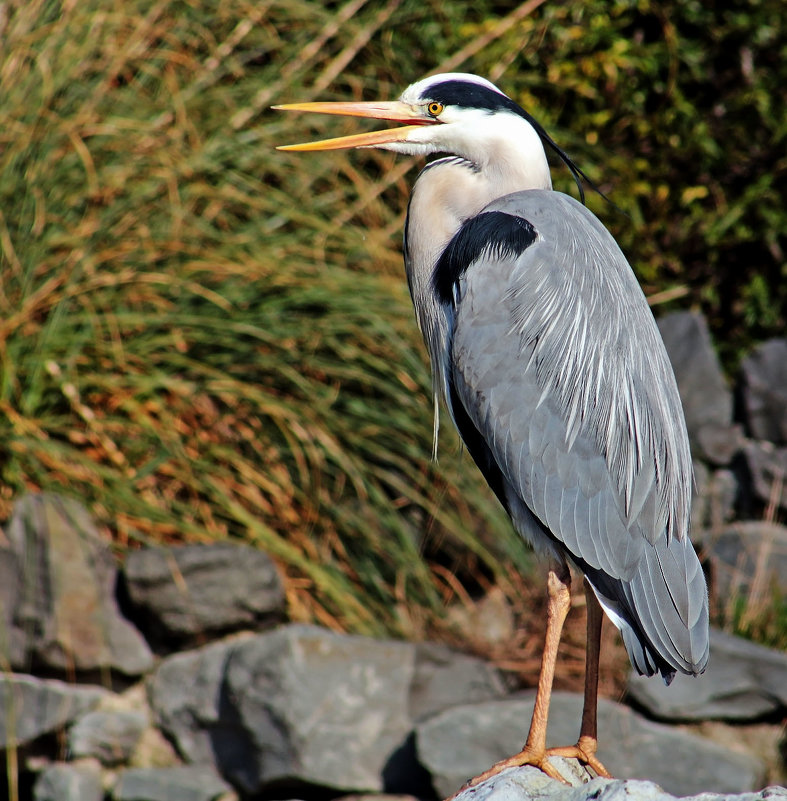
(548, 359)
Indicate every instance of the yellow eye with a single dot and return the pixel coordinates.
(435, 109)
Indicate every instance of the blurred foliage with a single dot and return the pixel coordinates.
(678, 110)
(202, 337)
(194, 349)
(763, 620)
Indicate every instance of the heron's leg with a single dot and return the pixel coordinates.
(585, 749)
(534, 752)
(559, 594)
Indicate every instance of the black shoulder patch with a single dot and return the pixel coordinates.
(495, 232)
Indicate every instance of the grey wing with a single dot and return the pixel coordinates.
(557, 362)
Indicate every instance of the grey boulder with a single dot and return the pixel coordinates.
(444, 678)
(714, 498)
(109, 736)
(190, 594)
(181, 783)
(464, 741)
(303, 705)
(528, 784)
(765, 390)
(767, 466)
(185, 695)
(706, 397)
(76, 625)
(307, 706)
(34, 707)
(69, 782)
(749, 561)
(743, 682)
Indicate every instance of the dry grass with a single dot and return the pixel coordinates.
(507, 626)
(190, 342)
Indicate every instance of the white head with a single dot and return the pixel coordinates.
(452, 113)
(476, 121)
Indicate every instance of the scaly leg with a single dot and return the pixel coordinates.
(585, 749)
(534, 752)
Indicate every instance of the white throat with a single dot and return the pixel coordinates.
(490, 162)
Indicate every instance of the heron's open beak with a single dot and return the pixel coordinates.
(394, 111)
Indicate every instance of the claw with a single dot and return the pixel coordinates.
(526, 756)
(584, 751)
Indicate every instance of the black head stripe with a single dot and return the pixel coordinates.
(494, 232)
(467, 94)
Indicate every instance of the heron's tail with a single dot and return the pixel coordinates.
(662, 612)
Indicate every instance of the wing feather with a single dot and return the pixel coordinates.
(574, 331)
(557, 362)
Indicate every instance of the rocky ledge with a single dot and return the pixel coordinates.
(529, 784)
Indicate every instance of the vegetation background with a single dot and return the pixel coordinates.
(203, 338)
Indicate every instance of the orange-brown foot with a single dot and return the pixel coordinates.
(584, 751)
(526, 756)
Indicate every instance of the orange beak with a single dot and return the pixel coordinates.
(394, 111)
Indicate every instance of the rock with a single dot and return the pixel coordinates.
(699, 492)
(719, 443)
(184, 783)
(33, 707)
(239, 701)
(307, 706)
(187, 595)
(527, 784)
(377, 797)
(761, 740)
(119, 731)
(748, 561)
(13, 640)
(66, 782)
(767, 466)
(185, 696)
(153, 750)
(74, 625)
(110, 736)
(487, 623)
(706, 398)
(765, 391)
(445, 678)
(722, 494)
(713, 503)
(461, 742)
(743, 682)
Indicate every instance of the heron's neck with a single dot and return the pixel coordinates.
(453, 189)
(490, 163)
(448, 192)
(494, 157)
(509, 157)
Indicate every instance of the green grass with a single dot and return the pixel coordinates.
(204, 338)
(190, 343)
(765, 623)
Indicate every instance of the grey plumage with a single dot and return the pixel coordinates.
(557, 361)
